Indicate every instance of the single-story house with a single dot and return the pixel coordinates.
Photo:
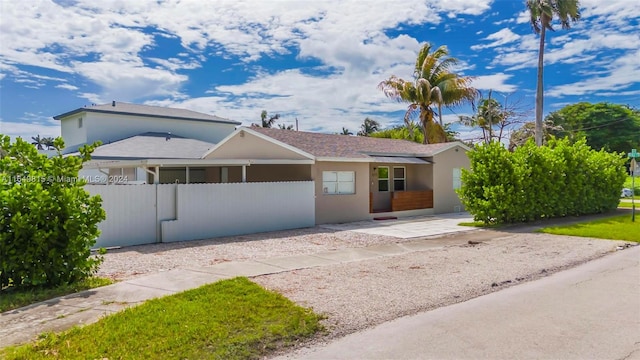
(355, 177)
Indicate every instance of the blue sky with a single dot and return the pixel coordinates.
(317, 61)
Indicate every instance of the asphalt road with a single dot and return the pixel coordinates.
(588, 312)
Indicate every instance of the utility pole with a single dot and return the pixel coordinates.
(634, 165)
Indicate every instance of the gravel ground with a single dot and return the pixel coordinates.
(362, 294)
(129, 262)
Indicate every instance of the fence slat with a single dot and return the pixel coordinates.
(200, 211)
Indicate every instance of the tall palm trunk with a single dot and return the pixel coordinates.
(426, 117)
(539, 92)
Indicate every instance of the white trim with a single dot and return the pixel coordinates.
(453, 144)
(239, 132)
(339, 159)
(370, 159)
(107, 164)
(388, 178)
(280, 162)
(404, 178)
(337, 182)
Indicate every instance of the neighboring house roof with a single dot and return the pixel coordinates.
(152, 146)
(122, 108)
(351, 147)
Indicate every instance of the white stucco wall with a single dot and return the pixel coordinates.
(71, 133)
(113, 127)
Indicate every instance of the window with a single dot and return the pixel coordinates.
(399, 179)
(338, 182)
(224, 174)
(383, 178)
(79, 122)
(457, 182)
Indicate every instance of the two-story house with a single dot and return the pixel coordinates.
(133, 134)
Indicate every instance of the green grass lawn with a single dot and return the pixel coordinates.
(13, 299)
(614, 228)
(627, 204)
(627, 183)
(230, 319)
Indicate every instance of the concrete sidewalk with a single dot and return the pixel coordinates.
(24, 324)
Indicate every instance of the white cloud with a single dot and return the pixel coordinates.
(502, 37)
(623, 73)
(28, 128)
(67, 87)
(126, 82)
(112, 37)
(496, 82)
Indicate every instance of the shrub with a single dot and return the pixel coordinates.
(48, 222)
(533, 182)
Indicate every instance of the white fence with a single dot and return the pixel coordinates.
(145, 214)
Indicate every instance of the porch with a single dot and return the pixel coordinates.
(406, 186)
(404, 200)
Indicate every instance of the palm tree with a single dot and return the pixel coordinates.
(368, 127)
(267, 123)
(433, 85)
(345, 131)
(489, 112)
(542, 13)
(49, 143)
(38, 142)
(285, 127)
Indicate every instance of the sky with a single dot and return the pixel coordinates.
(316, 61)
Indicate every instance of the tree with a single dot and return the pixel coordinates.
(527, 131)
(493, 117)
(267, 121)
(433, 84)
(604, 125)
(533, 183)
(542, 13)
(345, 131)
(400, 132)
(285, 127)
(368, 127)
(49, 143)
(49, 221)
(38, 142)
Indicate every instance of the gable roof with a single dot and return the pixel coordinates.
(351, 147)
(152, 146)
(122, 108)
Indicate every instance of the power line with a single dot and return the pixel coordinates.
(597, 126)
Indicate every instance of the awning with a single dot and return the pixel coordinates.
(399, 160)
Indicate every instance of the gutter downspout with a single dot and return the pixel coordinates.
(105, 173)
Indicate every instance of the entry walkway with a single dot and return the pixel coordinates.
(24, 324)
(411, 227)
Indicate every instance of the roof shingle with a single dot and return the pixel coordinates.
(345, 146)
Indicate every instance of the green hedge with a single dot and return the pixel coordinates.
(533, 183)
(48, 221)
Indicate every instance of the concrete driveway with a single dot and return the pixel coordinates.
(410, 227)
